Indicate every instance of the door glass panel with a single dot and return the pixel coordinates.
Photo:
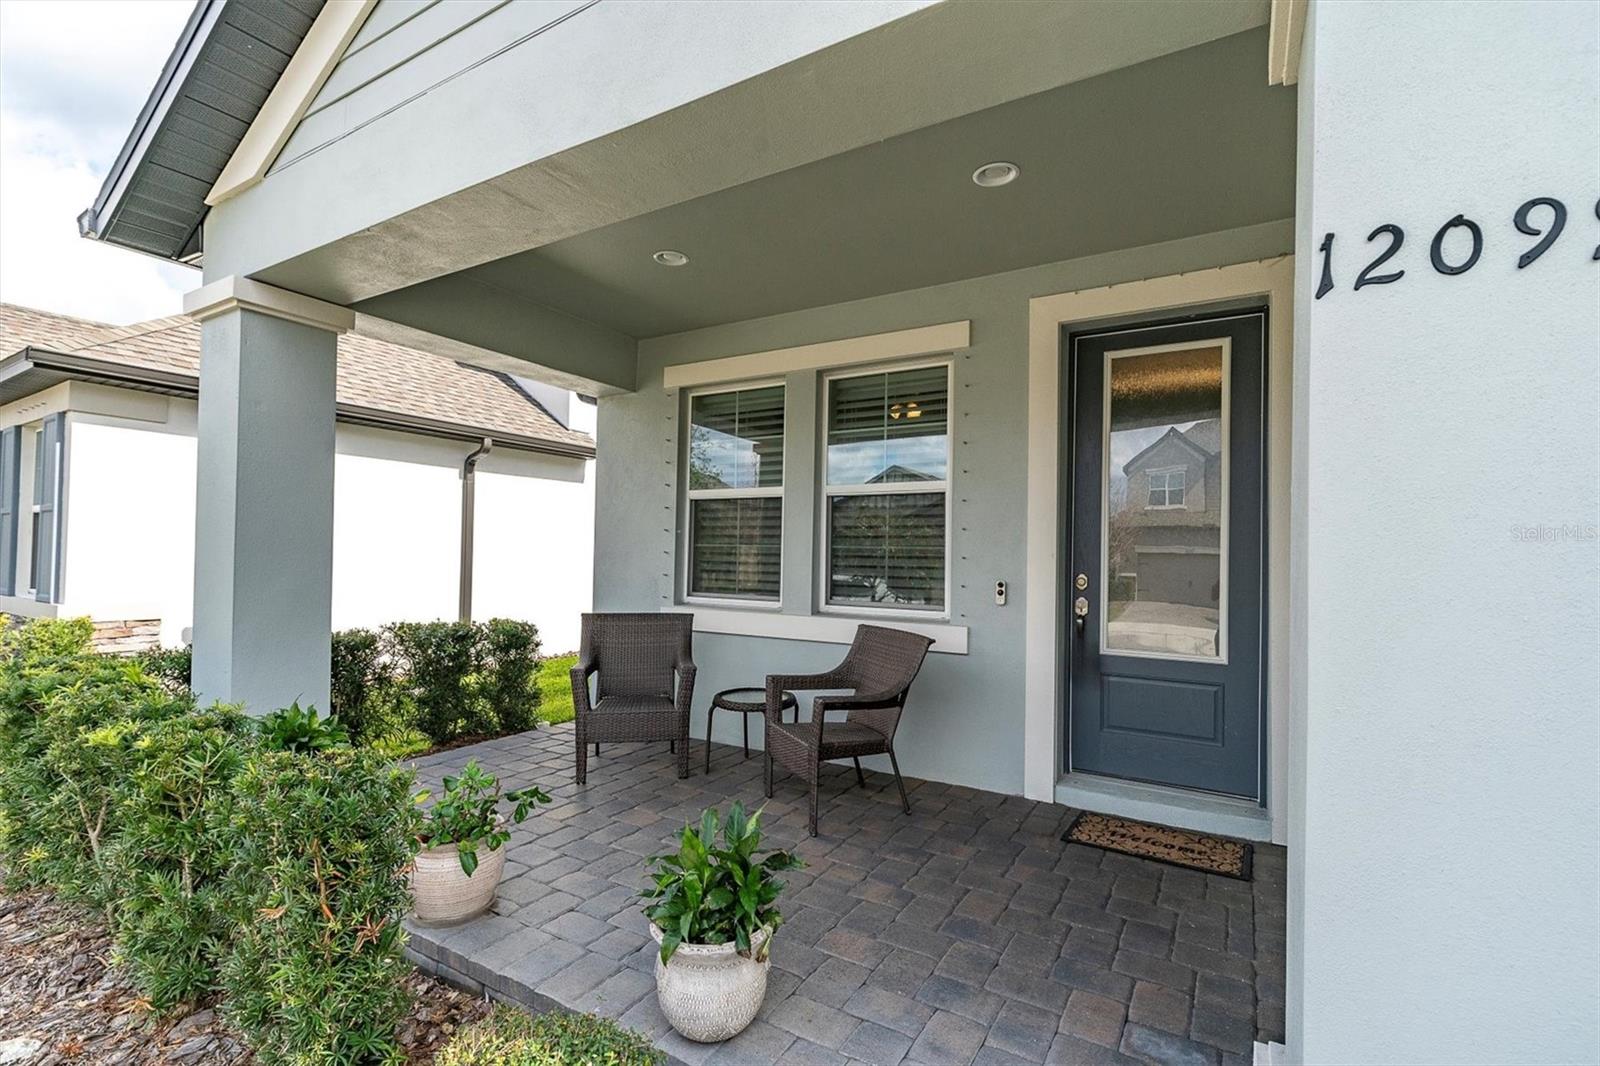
(1165, 540)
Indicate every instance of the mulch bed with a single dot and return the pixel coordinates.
(62, 1001)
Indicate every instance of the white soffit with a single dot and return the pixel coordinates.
(899, 344)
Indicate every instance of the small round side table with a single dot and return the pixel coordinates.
(745, 701)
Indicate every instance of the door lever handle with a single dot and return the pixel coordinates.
(1080, 612)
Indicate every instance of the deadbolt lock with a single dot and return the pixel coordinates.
(1081, 582)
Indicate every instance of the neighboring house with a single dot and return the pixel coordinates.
(1378, 219)
(97, 483)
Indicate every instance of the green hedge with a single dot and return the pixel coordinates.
(445, 680)
(277, 877)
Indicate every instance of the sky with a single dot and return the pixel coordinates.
(73, 75)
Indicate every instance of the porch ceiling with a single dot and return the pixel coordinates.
(1192, 142)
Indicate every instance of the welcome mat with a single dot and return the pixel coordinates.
(1179, 847)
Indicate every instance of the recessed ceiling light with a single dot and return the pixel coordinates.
(993, 175)
(669, 258)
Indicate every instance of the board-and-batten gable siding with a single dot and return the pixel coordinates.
(406, 47)
(10, 486)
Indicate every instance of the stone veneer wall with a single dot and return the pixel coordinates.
(128, 636)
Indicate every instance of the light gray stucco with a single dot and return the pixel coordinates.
(264, 512)
(965, 720)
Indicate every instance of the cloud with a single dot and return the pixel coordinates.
(72, 79)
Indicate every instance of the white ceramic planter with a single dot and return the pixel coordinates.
(443, 894)
(709, 992)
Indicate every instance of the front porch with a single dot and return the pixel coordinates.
(966, 932)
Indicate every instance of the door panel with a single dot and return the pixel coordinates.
(1165, 538)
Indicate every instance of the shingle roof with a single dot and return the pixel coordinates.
(373, 375)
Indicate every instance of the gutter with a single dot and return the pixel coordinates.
(175, 383)
(469, 472)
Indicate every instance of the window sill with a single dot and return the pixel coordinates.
(819, 628)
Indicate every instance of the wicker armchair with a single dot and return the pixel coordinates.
(636, 696)
(878, 669)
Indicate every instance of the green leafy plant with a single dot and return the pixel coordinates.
(508, 1037)
(173, 853)
(465, 679)
(711, 893)
(42, 639)
(468, 813)
(298, 729)
(173, 667)
(318, 890)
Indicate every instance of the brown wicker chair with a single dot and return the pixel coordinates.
(878, 669)
(636, 697)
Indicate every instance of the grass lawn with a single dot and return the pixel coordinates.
(555, 689)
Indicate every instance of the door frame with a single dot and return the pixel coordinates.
(1065, 593)
(1228, 288)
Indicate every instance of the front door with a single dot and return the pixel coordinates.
(1164, 597)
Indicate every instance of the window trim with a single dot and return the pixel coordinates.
(1166, 490)
(825, 491)
(689, 495)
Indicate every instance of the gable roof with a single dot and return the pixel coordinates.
(221, 70)
(379, 384)
(1202, 438)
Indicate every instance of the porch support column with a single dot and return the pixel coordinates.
(1442, 848)
(264, 506)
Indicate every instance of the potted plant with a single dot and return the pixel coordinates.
(463, 842)
(713, 909)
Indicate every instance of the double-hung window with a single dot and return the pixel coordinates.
(887, 489)
(735, 465)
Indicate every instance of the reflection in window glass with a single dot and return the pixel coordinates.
(889, 427)
(736, 547)
(736, 439)
(887, 549)
(1164, 507)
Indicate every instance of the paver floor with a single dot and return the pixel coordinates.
(966, 932)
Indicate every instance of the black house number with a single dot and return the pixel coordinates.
(1543, 217)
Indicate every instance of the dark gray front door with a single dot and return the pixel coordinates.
(1164, 596)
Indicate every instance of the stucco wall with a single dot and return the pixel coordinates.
(965, 720)
(1444, 903)
(397, 499)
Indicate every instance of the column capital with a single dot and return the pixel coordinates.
(235, 293)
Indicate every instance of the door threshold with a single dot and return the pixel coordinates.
(1181, 808)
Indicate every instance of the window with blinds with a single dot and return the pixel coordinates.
(736, 494)
(887, 488)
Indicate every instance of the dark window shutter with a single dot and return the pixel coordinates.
(10, 484)
(49, 494)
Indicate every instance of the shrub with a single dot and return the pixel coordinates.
(361, 684)
(703, 894)
(69, 733)
(41, 639)
(462, 679)
(509, 1037)
(172, 667)
(173, 853)
(319, 889)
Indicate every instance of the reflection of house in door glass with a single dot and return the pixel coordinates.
(1164, 503)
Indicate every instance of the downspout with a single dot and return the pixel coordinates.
(469, 470)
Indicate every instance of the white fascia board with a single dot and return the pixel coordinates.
(234, 293)
(324, 45)
(877, 348)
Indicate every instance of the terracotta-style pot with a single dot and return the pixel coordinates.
(443, 894)
(710, 992)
